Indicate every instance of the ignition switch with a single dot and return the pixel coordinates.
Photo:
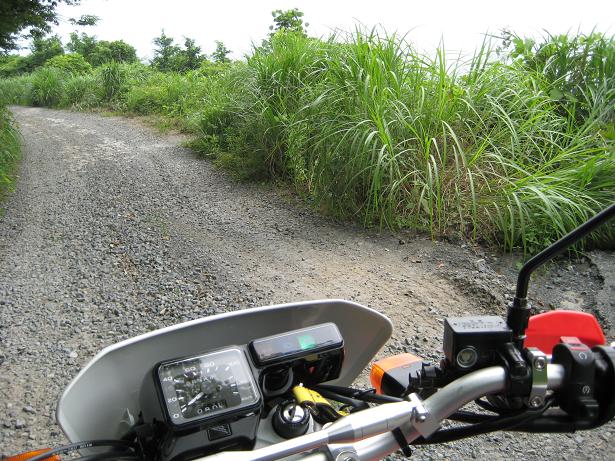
(291, 419)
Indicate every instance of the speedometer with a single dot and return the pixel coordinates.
(207, 386)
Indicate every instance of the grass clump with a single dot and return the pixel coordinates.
(9, 151)
(80, 92)
(47, 86)
(160, 93)
(112, 77)
(15, 90)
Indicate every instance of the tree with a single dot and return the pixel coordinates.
(192, 56)
(165, 52)
(288, 20)
(11, 65)
(18, 15)
(85, 20)
(101, 52)
(170, 57)
(42, 49)
(83, 44)
(117, 50)
(221, 53)
(122, 51)
(72, 63)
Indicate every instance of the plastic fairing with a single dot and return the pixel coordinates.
(100, 402)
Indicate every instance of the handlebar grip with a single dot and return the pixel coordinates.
(605, 384)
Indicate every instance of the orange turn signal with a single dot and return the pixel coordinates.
(391, 376)
(32, 454)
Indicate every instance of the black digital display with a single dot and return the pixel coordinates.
(297, 343)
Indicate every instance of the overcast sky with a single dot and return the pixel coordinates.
(239, 23)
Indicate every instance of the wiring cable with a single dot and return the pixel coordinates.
(365, 395)
(370, 396)
(63, 450)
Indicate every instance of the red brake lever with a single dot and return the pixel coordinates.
(545, 330)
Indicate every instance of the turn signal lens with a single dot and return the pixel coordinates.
(32, 454)
(391, 375)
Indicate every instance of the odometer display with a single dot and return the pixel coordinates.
(207, 386)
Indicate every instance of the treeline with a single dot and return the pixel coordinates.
(514, 146)
(80, 55)
(83, 53)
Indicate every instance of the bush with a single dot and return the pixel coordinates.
(16, 90)
(74, 64)
(11, 66)
(81, 92)
(209, 68)
(47, 86)
(576, 68)
(117, 79)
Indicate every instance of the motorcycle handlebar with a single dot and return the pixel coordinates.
(367, 435)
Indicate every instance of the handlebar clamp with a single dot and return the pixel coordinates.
(540, 379)
(422, 420)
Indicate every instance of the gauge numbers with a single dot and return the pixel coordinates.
(206, 386)
(201, 390)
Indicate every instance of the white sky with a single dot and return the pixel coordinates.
(239, 23)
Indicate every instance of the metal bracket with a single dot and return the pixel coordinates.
(421, 419)
(343, 453)
(538, 360)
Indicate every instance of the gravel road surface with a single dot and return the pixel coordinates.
(115, 230)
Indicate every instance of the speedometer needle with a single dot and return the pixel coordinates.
(197, 397)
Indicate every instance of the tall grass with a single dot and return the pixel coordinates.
(15, 90)
(367, 128)
(47, 86)
(161, 93)
(81, 92)
(9, 151)
(112, 78)
(574, 65)
(374, 130)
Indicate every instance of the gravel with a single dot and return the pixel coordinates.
(115, 230)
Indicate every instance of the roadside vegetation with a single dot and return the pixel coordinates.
(9, 152)
(514, 146)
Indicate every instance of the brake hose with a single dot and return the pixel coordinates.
(109, 456)
(497, 424)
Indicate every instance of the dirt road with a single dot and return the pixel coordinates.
(115, 230)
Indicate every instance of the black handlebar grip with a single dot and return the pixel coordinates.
(605, 383)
